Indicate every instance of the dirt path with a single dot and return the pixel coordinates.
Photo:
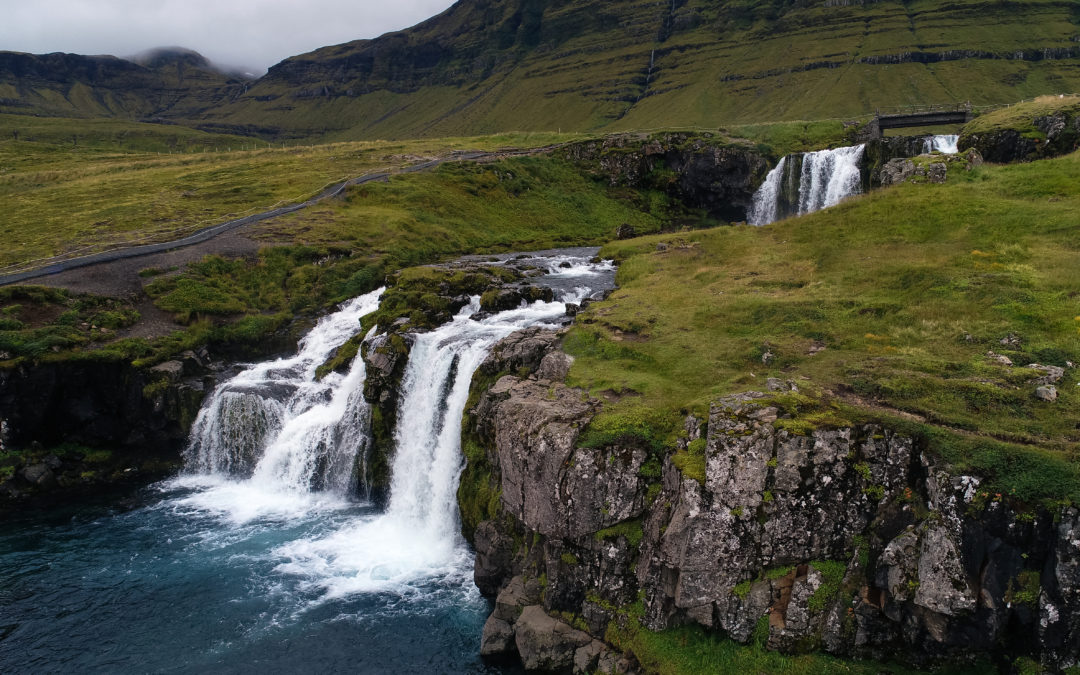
(109, 265)
(116, 273)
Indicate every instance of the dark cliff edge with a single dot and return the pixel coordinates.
(1024, 139)
(74, 426)
(699, 170)
(853, 541)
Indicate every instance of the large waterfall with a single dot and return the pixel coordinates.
(274, 441)
(807, 182)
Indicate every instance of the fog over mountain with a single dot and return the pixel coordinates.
(253, 34)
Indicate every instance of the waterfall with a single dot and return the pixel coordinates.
(943, 143)
(807, 182)
(766, 205)
(271, 440)
(275, 424)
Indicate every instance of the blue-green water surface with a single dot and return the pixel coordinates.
(169, 584)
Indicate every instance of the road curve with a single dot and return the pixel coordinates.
(215, 230)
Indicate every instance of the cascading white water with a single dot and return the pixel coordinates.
(275, 424)
(765, 207)
(829, 176)
(943, 143)
(418, 536)
(823, 179)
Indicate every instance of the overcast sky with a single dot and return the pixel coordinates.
(251, 33)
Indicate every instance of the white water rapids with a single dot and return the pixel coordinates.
(272, 444)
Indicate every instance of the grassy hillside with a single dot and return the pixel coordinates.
(485, 66)
(332, 253)
(885, 306)
(85, 185)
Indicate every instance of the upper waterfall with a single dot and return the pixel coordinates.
(942, 143)
(807, 182)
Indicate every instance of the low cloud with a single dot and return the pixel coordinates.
(251, 33)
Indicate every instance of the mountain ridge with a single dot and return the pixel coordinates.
(485, 66)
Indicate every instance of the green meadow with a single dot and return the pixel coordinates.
(883, 307)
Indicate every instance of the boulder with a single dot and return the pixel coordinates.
(40, 475)
(547, 644)
(497, 638)
(1051, 374)
(1046, 393)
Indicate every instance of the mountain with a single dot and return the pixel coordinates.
(490, 65)
(164, 83)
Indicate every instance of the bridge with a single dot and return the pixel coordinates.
(920, 116)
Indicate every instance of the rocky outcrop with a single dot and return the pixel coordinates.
(1049, 135)
(698, 170)
(927, 168)
(112, 422)
(851, 540)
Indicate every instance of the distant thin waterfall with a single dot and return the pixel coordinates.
(943, 143)
(276, 424)
(807, 182)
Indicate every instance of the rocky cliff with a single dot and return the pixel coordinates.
(1026, 138)
(849, 540)
(700, 171)
(176, 84)
(78, 426)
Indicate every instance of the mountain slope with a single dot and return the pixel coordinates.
(173, 83)
(485, 66)
(488, 65)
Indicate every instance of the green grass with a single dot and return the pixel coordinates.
(690, 650)
(60, 198)
(344, 248)
(784, 138)
(37, 321)
(1021, 116)
(907, 288)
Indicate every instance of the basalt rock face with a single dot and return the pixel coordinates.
(141, 415)
(1050, 136)
(849, 540)
(879, 152)
(694, 169)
